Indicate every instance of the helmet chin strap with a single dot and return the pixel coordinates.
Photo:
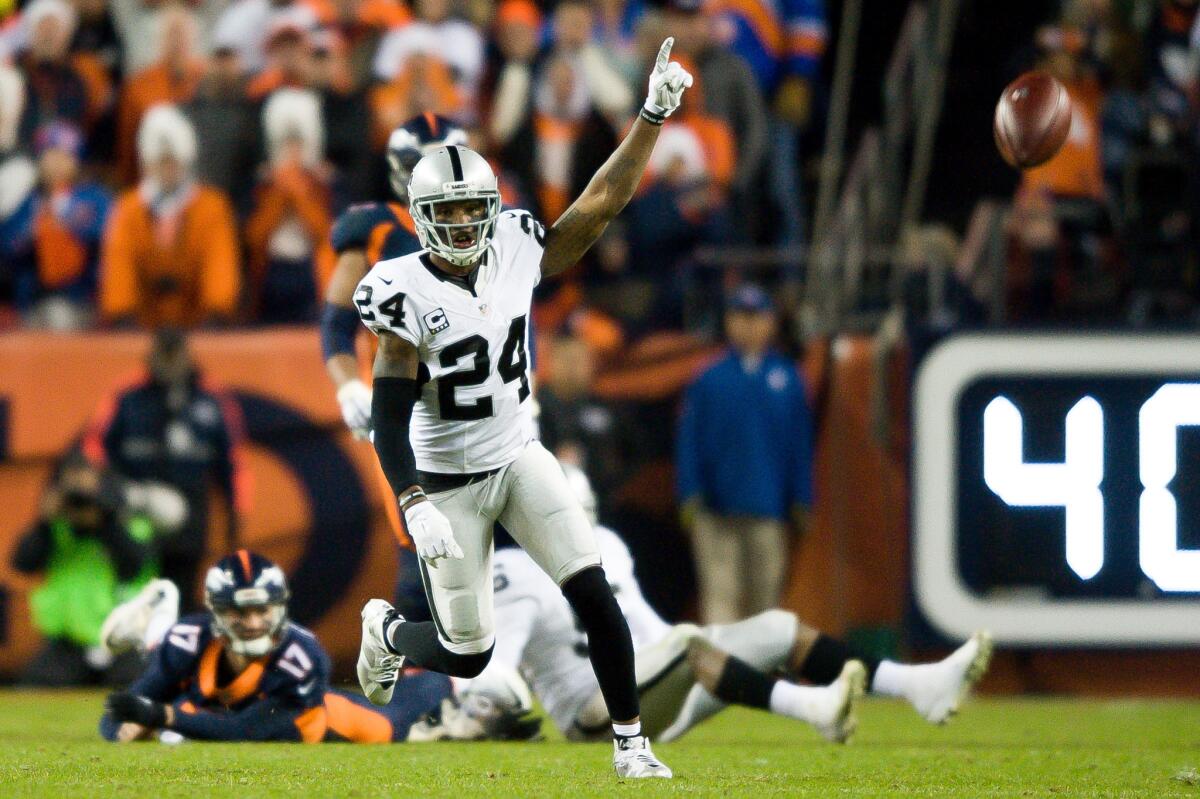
(448, 252)
(461, 260)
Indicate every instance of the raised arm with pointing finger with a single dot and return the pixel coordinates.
(611, 188)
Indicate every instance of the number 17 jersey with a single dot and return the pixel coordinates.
(474, 412)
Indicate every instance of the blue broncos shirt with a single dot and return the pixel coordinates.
(745, 439)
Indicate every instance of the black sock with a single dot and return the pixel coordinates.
(742, 684)
(418, 642)
(827, 657)
(610, 644)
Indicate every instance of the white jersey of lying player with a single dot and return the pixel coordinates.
(474, 412)
(540, 640)
(537, 635)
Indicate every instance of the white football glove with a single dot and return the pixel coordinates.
(355, 399)
(667, 82)
(430, 532)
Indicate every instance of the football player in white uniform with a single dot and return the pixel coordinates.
(536, 633)
(453, 425)
(684, 672)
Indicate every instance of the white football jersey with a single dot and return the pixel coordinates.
(474, 413)
(537, 633)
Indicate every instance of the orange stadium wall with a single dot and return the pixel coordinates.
(849, 571)
(315, 508)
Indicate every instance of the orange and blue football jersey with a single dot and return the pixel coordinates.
(382, 230)
(351, 717)
(278, 697)
(282, 696)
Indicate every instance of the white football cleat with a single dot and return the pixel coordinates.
(378, 667)
(154, 609)
(632, 758)
(846, 691)
(945, 685)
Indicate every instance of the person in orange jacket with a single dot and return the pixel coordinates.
(287, 234)
(170, 254)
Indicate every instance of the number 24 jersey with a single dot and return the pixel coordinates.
(474, 412)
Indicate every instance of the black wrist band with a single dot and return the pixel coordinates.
(410, 497)
(651, 117)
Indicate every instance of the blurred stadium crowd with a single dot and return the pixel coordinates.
(182, 163)
(216, 209)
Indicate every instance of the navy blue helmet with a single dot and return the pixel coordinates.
(234, 588)
(416, 137)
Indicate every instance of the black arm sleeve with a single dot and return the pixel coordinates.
(34, 550)
(392, 402)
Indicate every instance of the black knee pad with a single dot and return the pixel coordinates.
(588, 592)
(418, 641)
(465, 666)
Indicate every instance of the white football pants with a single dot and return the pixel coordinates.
(534, 502)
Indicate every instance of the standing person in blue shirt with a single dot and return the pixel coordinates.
(744, 463)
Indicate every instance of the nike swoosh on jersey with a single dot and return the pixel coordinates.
(305, 689)
(385, 280)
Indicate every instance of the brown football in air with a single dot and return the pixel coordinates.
(1032, 120)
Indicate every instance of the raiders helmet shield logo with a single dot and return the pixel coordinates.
(436, 321)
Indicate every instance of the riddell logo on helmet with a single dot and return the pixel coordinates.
(456, 185)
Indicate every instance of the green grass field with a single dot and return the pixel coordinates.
(997, 747)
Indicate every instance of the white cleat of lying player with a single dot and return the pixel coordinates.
(377, 667)
(937, 690)
(632, 758)
(836, 718)
(139, 623)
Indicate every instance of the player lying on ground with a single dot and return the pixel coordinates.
(684, 673)
(243, 672)
(453, 425)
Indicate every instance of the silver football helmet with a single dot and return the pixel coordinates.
(495, 706)
(451, 175)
